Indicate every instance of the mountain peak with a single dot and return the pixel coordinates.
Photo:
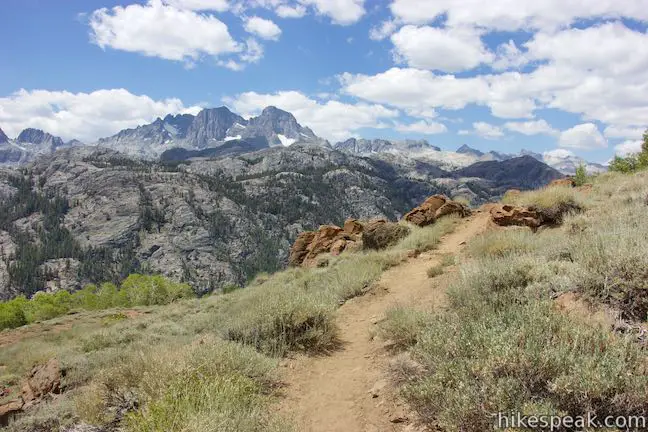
(38, 137)
(3, 137)
(466, 149)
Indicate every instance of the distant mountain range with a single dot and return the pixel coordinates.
(218, 132)
(211, 128)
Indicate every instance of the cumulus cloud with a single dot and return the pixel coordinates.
(534, 127)
(263, 28)
(628, 147)
(484, 130)
(84, 116)
(423, 127)
(422, 90)
(511, 15)
(584, 136)
(443, 49)
(287, 11)
(332, 119)
(159, 30)
(342, 12)
(599, 73)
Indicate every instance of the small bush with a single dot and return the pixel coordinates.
(435, 271)
(581, 176)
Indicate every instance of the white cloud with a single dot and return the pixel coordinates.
(510, 15)
(534, 127)
(587, 83)
(286, 11)
(263, 28)
(484, 130)
(611, 49)
(423, 127)
(333, 120)
(509, 56)
(628, 147)
(84, 116)
(200, 5)
(159, 30)
(448, 50)
(383, 30)
(342, 12)
(414, 89)
(624, 132)
(584, 136)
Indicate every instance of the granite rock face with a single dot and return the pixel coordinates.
(209, 222)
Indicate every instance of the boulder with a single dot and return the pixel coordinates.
(452, 207)
(338, 247)
(382, 234)
(434, 208)
(9, 409)
(353, 227)
(299, 249)
(332, 239)
(508, 215)
(424, 214)
(564, 182)
(43, 380)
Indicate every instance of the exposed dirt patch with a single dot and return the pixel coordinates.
(349, 390)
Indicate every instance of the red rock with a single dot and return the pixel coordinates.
(9, 409)
(567, 181)
(425, 214)
(43, 380)
(353, 227)
(508, 215)
(299, 249)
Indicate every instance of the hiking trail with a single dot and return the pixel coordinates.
(348, 390)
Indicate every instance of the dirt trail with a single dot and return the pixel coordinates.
(348, 391)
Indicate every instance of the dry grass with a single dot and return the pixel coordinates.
(151, 372)
(503, 346)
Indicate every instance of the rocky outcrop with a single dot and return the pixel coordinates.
(563, 182)
(327, 239)
(381, 234)
(44, 380)
(533, 217)
(508, 215)
(434, 208)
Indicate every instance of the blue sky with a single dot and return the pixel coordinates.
(548, 76)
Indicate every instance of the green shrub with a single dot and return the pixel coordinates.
(581, 175)
(12, 313)
(44, 306)
(632, 162)
(136, 290)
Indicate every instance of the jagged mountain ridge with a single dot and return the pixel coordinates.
(217, 132)
(29, 144)
(211, 128)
